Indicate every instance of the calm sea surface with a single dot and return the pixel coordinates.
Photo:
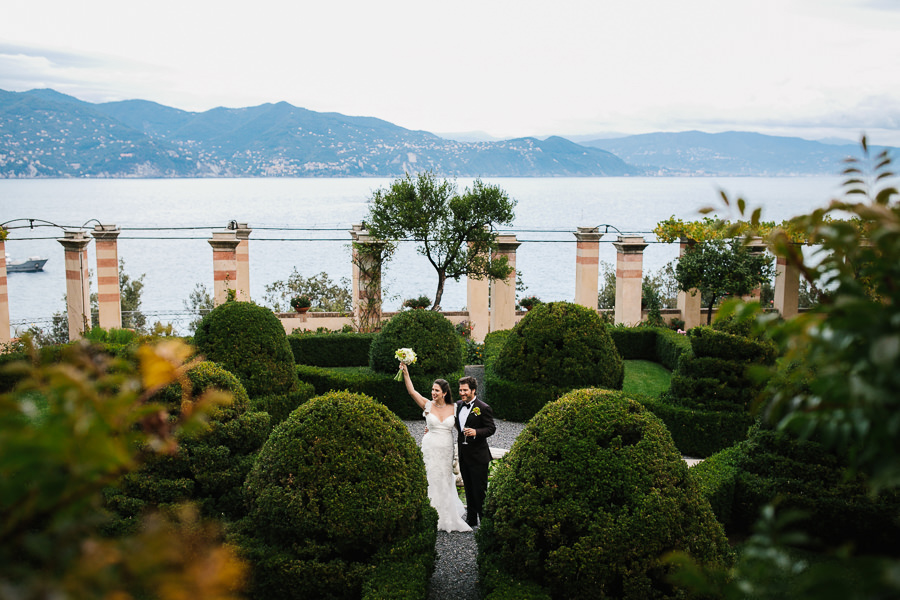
(303, 223)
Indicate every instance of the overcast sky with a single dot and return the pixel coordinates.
(810, 68)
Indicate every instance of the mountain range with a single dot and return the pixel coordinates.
(44, 133)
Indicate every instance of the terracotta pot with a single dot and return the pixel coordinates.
(302, 310)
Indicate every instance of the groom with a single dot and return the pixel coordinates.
(475, 422)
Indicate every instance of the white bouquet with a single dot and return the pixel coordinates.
(405, 356)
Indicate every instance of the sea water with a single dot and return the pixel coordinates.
(304, 224)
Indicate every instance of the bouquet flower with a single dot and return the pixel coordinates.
(405, 356)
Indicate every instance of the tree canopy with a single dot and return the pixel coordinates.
(717, 269)
(455, 232)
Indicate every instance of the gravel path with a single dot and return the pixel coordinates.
(455, 572)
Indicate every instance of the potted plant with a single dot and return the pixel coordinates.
(420, 302)
(301, 303)
(529, 302)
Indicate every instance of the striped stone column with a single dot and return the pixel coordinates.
(224, 245)
(78, 290)
(787, 288)
(587, 266)
(243, 262)
(755, 246)
(4, 293)
(109, 294)
(366, 279)
(477, 303)
(629, 277)
(503, 292)
(689, 302)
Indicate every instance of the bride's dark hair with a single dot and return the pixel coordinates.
(445, 387)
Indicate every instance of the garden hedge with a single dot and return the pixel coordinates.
(439, 348)
(561, 344)
(338, 505)
(249, 341)
(279, 406)
(381, 387)
(209, 466)
(801, 475)
(331, 349)
(657, 344)
(588, 501)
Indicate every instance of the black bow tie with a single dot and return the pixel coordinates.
(469, 405)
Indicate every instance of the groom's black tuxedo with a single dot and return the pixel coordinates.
(475, 456)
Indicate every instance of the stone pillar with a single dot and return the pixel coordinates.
(109, 294)
(690, 302)
(755, 246)
(224, 245)
(787, 288)
(243, 262)
(366, 279)
(477, 303)
(78, 285)
(629, 278)
(4, 294)
(587, 265)
(503, 292)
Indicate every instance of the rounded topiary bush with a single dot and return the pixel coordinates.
(336, 485)
(564, 345)
(250, 342)
(210, 464)
(591, 496)
(430, 334)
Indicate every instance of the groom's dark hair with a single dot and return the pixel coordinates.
(469, 381)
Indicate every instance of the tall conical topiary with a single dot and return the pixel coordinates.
(249, 341)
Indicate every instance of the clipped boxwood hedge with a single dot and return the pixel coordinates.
(379, 386)
(331, 349)
(438, 347)
(338, 505)
(657, 344)
(209, 466)
(587, 502)
(700, 433)
(802, 475)
(279, 406)
(250, 342)
(561, 344)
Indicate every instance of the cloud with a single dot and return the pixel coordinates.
(90, 77)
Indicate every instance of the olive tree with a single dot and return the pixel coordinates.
(455, 232)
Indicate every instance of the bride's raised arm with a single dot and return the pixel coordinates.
(419, 398)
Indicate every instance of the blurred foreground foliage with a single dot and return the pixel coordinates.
(71, 427)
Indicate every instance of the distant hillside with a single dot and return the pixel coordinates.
(731, 153)
(47, 134)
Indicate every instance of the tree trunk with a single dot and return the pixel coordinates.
(440, 290)
(709, 310)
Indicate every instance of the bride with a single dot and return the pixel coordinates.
(437, 450)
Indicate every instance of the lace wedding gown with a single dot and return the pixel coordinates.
(437, 450)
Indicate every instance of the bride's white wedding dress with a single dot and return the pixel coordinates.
(437, 450)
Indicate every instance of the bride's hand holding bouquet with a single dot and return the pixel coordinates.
(407, 357)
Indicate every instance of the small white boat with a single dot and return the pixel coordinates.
(28, 265)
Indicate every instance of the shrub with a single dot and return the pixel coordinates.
(420, 302)
(336, 492)
(803, 476)
(249, 341)
(279, 406)
(564, 345)
(707, 407)
(590, 497)
(430, 334)
(331, 349)
(209, 466)
(382, 388)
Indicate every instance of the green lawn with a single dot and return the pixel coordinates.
(645, 377)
